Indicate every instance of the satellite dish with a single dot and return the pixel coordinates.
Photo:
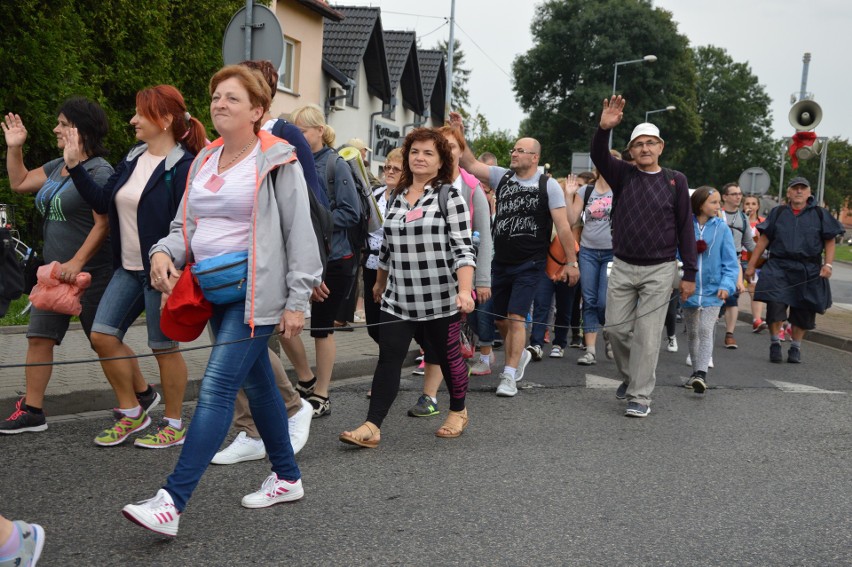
(266, 37)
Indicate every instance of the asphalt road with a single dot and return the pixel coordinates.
(841, 282)
(749, 474)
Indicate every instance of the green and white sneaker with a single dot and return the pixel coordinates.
(123, 427)
(166, 436)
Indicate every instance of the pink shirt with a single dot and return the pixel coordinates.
(127, 203)
(223, 206)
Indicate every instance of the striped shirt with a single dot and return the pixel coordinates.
(223, 213)
(422, 252)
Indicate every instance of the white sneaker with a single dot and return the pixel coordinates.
(672, 346)
(507, 387)
(535, 352)
(274, 491)
(157, 514)
(587, 359)
(689, 361)
(480, 368)
(526, 356)
(300, 426)
(556, 352)
(243, 448)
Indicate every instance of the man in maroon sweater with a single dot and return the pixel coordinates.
(652, 223)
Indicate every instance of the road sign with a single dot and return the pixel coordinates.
(754, 181)
(265, 41)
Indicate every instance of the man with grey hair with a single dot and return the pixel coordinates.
(652, 223)
(794, 281)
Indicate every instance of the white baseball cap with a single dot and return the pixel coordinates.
(645, 129)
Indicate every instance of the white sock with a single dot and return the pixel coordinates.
(133, 412)
(175, 423)
(510, 371)
(434, 400)
(591, 349)
(486, 358)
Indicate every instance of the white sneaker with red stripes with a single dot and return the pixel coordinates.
(158, 514)
(274, 491)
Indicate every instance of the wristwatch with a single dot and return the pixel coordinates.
(573, 264)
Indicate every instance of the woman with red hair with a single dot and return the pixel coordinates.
(141, 199)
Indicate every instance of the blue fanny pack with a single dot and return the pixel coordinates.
(223, 279)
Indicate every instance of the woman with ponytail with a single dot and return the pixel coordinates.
(141, 199)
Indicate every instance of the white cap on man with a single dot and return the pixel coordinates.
(359, 144)
(645, 129)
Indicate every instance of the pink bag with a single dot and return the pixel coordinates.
(52, 294)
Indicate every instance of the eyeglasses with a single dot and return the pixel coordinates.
(393, 169)
(521, 151)
(649, 144)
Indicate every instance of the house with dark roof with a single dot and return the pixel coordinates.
(300, 77)
(433, 74)
(373, 79)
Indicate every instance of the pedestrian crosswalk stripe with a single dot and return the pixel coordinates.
(601, 383)
(793, 388)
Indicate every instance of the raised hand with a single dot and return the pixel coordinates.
(14, 130)
(72, 152)
(571, 185)
(613, 112)
(456, 121)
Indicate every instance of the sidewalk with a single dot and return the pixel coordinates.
(82, 387)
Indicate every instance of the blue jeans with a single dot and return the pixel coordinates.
(593, 275)
(544, 297)
(232, 366)
(127, 295)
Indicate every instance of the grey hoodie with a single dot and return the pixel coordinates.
(283, 257)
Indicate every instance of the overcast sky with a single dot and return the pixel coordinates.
(770, 36)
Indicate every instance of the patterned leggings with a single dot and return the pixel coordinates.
(699, 333)
(440, 339)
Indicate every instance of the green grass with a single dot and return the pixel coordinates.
(843, 252)
(13, 316)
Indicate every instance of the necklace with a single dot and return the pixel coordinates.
(242, 151)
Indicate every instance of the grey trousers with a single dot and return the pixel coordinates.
(636, 301)
(700, 324)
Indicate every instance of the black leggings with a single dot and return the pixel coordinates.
(371, 308)
(443, 337)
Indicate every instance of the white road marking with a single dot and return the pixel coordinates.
(793, 388)
(601, 383)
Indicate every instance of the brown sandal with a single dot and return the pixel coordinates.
(371, 441)
(454, 425)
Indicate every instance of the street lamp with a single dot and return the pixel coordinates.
(646, 59)
(669, 108)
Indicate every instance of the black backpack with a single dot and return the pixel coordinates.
(359, 234)
(11, 272)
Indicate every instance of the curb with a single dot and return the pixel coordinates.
(815, 336)
(90, 398)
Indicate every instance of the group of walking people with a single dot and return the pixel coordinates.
(177, 203)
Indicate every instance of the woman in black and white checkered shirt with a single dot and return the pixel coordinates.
(424, 280)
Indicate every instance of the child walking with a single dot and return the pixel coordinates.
(718, 270)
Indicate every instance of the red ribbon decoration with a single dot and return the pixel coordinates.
(800, 140)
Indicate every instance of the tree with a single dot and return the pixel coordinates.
(461, 75)
(736, 129)
(106, 51)
(563, 78)
(838, 174)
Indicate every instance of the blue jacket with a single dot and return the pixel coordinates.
(345, 203)
(718, 266)
(157, 205)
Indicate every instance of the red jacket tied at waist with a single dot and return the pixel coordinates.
(52, 294)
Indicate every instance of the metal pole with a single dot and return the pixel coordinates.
(806, 61)
(450, 48)
(614, 79)
(249, 28)
(821, 179)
